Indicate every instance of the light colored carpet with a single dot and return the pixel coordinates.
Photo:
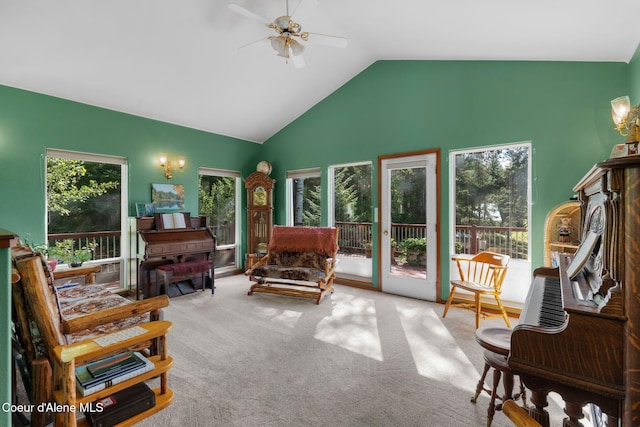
(361, 358)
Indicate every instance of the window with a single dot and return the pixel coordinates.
(303, 197)
(490, 193)
(351, 212)
(87, 208)
(218, 198)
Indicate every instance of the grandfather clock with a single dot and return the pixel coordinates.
(259, 212)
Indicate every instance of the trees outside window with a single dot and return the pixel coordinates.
(304, 197)
(491, 188)
(86, 208)
(218, 199)
(82, 196)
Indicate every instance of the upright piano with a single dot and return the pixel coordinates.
(579, 331)
(158, 245)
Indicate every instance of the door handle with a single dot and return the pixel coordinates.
(386, 233)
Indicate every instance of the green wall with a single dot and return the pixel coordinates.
(30, 123)
(634, 78)
(402, 106)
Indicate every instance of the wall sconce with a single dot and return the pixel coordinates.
(168, 166)
(626, 119)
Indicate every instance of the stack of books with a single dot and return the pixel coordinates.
(104, 373)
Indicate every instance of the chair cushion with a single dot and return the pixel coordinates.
(298, 259)
(76, 300)
(289, 273)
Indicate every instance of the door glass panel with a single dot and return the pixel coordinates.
(408, 247)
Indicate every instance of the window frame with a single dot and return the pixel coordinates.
(207, 171)
(519, 272)
(295, 174)
(125, 280)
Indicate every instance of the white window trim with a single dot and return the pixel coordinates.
(89, 157)
(218, 172)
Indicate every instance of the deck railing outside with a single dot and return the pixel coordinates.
(512, 241)
(353, 238)
(107, 242)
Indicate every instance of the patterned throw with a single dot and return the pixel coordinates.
(304, 239)
(76, 300)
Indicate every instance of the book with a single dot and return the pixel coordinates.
(87, 385)
(122, 405)
(106, 368)
(174, 220)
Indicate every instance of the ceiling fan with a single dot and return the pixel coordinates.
(286, 41)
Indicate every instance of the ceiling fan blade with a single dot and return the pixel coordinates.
(304, 9)
(254, 43)
(328, 40)
(298, 60)
(247, 13)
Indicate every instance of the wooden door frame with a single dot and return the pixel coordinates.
(435, 151)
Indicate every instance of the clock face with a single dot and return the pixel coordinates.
(259, 196)
(264, 167)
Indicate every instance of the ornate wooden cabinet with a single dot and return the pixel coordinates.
(561, 232)
(259, 212)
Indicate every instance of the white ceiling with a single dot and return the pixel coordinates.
(177, 60)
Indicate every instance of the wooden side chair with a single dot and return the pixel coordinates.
(482, 274)
(56, 338)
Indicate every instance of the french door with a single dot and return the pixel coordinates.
(408, 227)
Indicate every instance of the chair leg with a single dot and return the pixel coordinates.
(42, 390)
(480, 385)
(478, 309)
(504, 312)
(523, 394)
(494, 391)
(449, 300)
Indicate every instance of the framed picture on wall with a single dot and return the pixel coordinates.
(167, 197)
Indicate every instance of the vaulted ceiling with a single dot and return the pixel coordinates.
(179, 62)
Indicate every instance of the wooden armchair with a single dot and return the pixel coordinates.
(300, 262)
(481, 274)
(54, 346)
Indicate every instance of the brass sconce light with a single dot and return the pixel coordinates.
(168, 166)
(626, 118)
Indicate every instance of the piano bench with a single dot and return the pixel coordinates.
(171, 273)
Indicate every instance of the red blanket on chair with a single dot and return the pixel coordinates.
(304, 239)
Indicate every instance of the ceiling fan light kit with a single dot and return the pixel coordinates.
(286, 43)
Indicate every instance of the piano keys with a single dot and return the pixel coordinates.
(579, 331)
(544, 303)
(157, 246)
